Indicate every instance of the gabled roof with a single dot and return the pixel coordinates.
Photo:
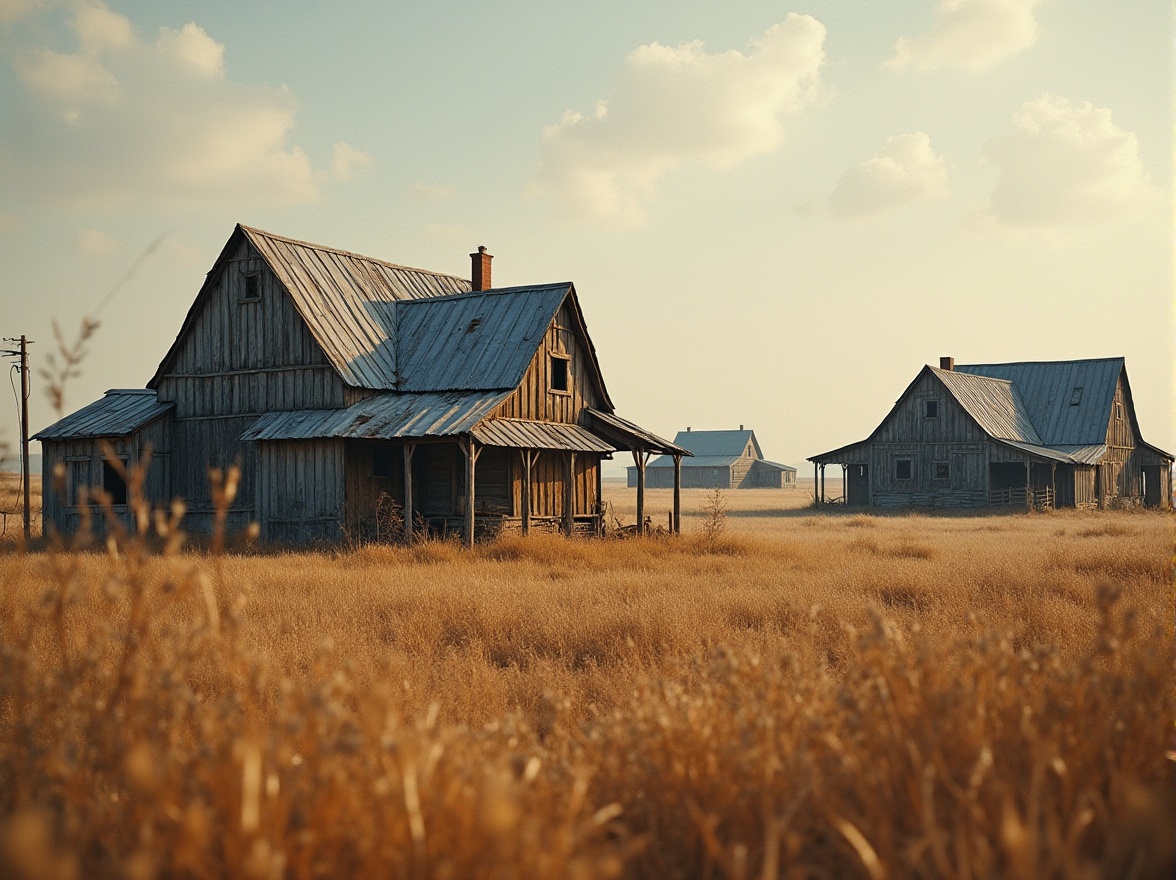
(995, 404)
(720, 443)
(703, 461)
(475, 340)
(387, 327)
(1048, 389)
(120, 412)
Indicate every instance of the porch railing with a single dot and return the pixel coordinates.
(1020, 496)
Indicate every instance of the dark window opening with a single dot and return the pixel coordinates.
(113, 483)
(382, 462)
(1118, 412)
(559, 373)
(942, 470)
(252, 288)
(1076, 396)
(931, 409)
(903, 468)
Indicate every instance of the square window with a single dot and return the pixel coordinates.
(903, 468)
(931, 409)
(559, 373)
(1076, 396)
(382, 462)
(251, 286)
(942, 470)
(113, 483)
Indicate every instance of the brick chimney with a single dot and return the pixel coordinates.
(480, 269)
(946, 363)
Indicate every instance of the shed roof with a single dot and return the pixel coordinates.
(705, 461)
(716, 442)
(1048, 391)
(119, 413)
(628, 435)
(526, 434)
(993, 403)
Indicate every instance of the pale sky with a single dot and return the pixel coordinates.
(774, 213)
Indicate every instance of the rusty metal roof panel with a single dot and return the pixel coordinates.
(995, 404)
(383, 417)
(120, 412)
(474, 341)
(525, 434)
(346, 300)
(1069, 401)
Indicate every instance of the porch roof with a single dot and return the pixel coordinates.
(525, 434)
(627, 435)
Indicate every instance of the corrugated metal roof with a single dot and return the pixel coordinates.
(1084, 454)
(383, 417)
(777, 465)
(993, 403)
(1040, 451)
(345, 300)
(524, 434)
(696, 461)
(119, 413)
(715, 442)
(634, 435)
(1048, 391)
(476, 340)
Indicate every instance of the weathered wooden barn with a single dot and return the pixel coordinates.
(339, 381)
(721, 459)
(1040, 433)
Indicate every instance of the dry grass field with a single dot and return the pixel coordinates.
(798, 696)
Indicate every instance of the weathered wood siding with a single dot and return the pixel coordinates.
(534, 399)
(952, 437)
(240, 358)
(82, 460)
(300, 486)
(548, 476)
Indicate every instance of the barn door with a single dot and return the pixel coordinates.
(857, 490)
(1151, 485)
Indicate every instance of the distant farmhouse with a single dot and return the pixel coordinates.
(1041, 433)
(721, 459)
(341, 382)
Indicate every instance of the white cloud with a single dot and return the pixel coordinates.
(15, 10)
(1064, 165)
(905, 170)
(345, 159)
(677, 105)
(155, 123)
(969, 34)
(96, 243)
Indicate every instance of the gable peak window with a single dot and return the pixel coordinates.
(251, 286)
(559, 373)
(930, 409)
(1076, 396)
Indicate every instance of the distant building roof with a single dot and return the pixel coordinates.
(120, 412)
(707, 443)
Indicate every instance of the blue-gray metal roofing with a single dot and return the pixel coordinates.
(995, 404)
(525, 434)
(776, 465)
(1047, 388)
(346, 300)
(707, 443)
(121, 412)
(475, 340)
(711, 461)
(383, 417)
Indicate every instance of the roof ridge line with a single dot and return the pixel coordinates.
(493, 291)
(334, 250)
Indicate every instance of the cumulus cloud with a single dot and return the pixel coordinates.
(15, 10)
(155, 122)
(1064, 165)
(96, 243)
(345, 159)
(969, 34)
(905, 170)
(674, 105)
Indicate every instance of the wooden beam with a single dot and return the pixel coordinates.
(639, 461)
(569, 511)
(528, 459)
(599, 495)
(470, 447)
(677, 523)
(409, 449)
(816, 484)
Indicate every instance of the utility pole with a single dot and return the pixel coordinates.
(24, 433)
(23, 354)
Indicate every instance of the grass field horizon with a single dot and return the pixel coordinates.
(801, 693)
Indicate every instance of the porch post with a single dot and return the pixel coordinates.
(599, 495)
(816, 484)
(822, 483)
(1029, 484)
(678, 494)
(569, 510)
(527, 460)
(844, 485)
(1053, 484)
(409, 449)
(470, 448)
(639, 460)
